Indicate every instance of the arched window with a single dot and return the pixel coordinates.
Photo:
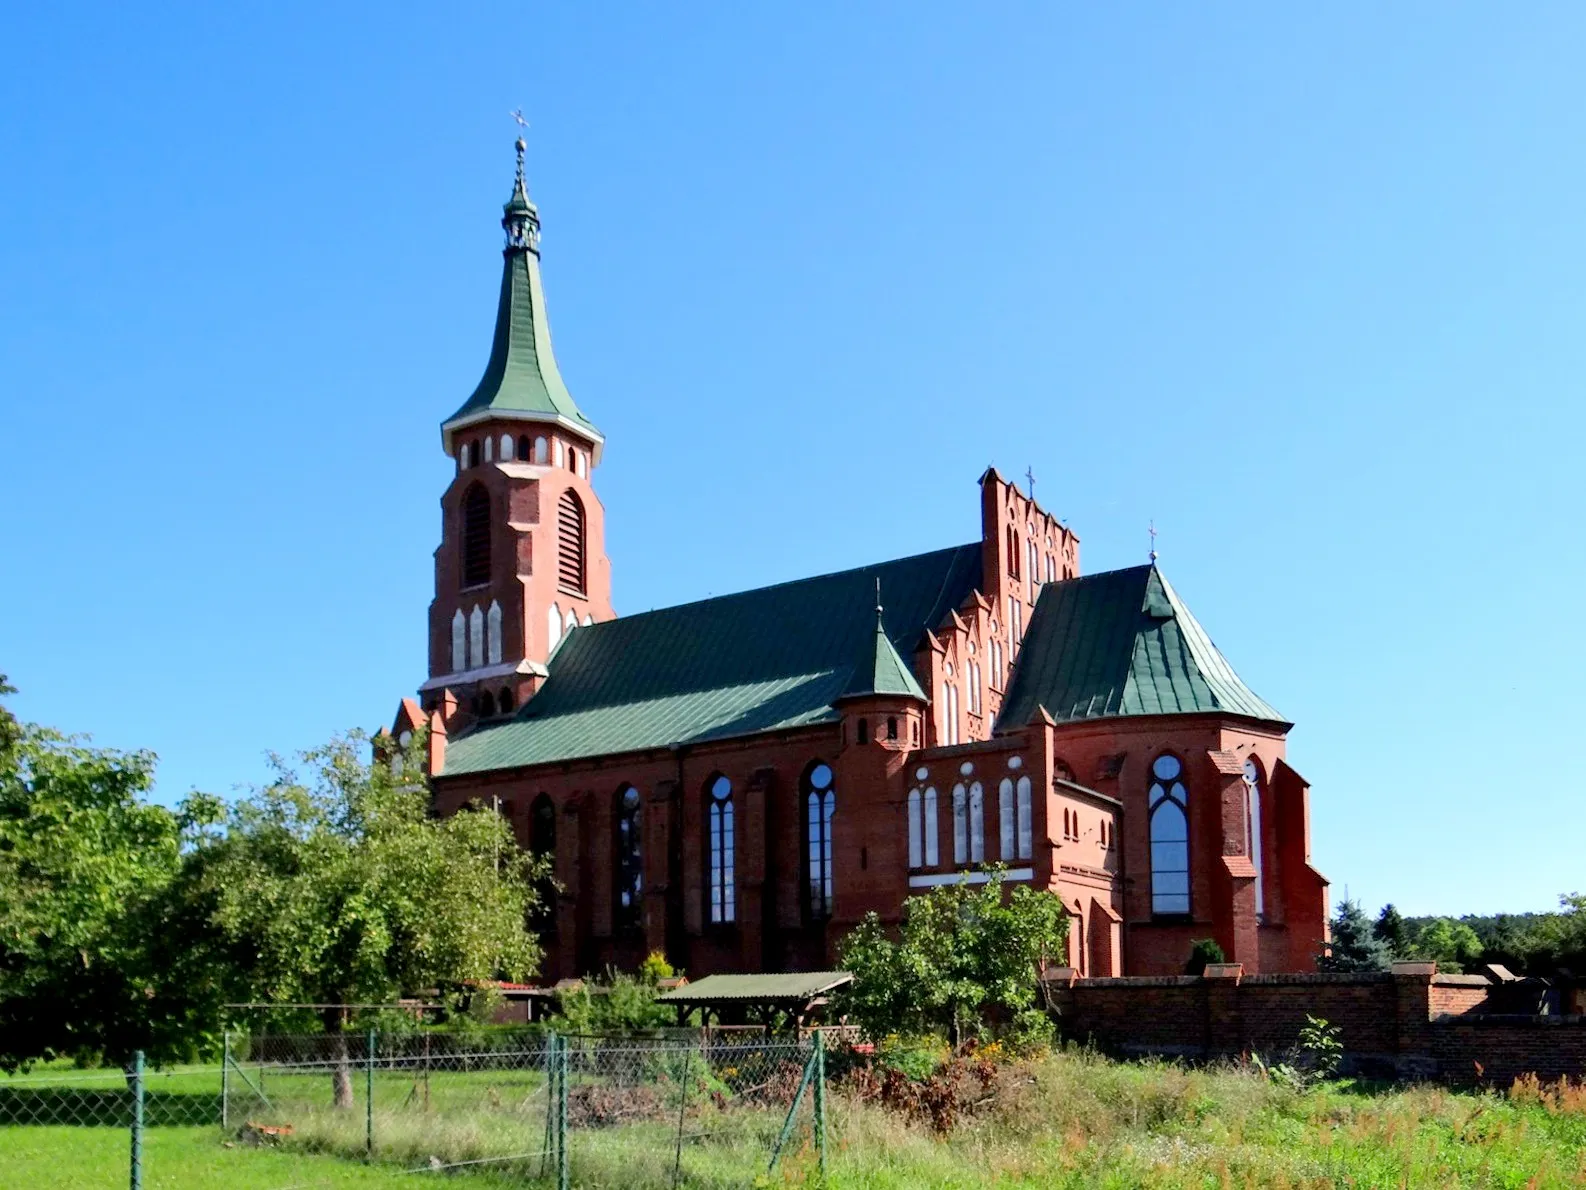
(820, 802)
(892, 727)
(542, 845)
(459, 642)
(1005, 824)
(476, 638)
(493, 634)
(487, 704)
(977, 824)
(505, 700)
(1015, 625)
(489, 449)
(1035, 561)
(553, 627)
(473, 453)
(960, 825)
(916, 830)
(542, 450)
(629, 867)
(506, 448)
(1168, 806)
(862, 731)
(1253, 825)
(1026, 830)
(570, 542)
(974, 687)
(558, 451)
(581, 461)
(720, 846)
(525, 448)
(932, 847)
(476, 536)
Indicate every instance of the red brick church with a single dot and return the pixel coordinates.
(738, 781)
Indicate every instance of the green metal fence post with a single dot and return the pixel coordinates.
(550, 1100)
(225, 1081)
(137, 1121)
(820, 1101)
(564, 1168)
(792, 1112)
(368, 1097)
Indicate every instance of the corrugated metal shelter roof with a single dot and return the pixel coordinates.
(762, 660)
(1121, 643)
(798, 987)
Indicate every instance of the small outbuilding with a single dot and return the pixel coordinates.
(757, 999)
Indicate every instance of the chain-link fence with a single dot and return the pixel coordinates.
(544, 1109)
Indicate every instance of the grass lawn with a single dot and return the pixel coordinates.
(1065, 1120)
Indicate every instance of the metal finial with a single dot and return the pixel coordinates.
(1152, 530)
(878, 603)
(1029, 475)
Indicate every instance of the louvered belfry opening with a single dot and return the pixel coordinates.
(570, 542)
(476, 536)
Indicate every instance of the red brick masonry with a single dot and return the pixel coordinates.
(1411, 1023)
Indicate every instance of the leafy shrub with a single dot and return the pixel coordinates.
(1202, 952)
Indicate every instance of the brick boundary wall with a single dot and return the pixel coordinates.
(1408, 1023)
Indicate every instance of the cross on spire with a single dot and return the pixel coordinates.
(1029, 475)
(1152, 531)
(878, 603)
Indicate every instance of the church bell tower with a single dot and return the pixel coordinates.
(522, 560)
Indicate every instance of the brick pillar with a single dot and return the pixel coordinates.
(1412, 988)
(1225, 1027)
(750, 843)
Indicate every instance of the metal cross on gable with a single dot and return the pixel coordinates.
(1152, 531)
(1029, 475)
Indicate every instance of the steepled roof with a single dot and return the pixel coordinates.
(1121, 643)
(879, 669)
(757, 661)
(521, 381)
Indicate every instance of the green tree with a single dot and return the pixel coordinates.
(1354, 945)
(1390, 927)
(1453, 944)
(1202, 952)
(340, 888)
(962, 955)
(92, 961)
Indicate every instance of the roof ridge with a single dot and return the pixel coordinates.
(792, 582)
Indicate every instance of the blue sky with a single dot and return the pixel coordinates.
(1305, 287)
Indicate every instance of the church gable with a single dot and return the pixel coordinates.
(1121, 643)
(763, 660)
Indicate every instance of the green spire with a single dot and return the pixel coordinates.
(880, 670)
(521, 381)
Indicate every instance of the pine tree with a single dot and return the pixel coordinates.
(1391, 929)
(1355, 945)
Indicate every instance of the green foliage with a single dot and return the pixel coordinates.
(1354, 946)
(964, 955)
(95, 958)
(1453, 944)
(341, 888)
(1202, 952)
(621, 1003)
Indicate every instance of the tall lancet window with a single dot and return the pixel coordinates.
(1007, 829)
(493, 633)
(916, 830)
(570, 542)
(1168, 807)
(720, 847)
(1253, 825)
(960, 825)
(476, 536)
(820, 803)
(476, 638)
(977, 823)
(630, 862)
(459, 642)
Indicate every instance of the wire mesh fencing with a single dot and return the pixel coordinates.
(542, 1109)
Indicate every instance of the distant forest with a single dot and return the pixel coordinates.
(1526, 943)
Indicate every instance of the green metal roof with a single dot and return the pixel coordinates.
(797, 986)
(1121, 643)
(522, 380)
(881, 671)
(762, 660)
